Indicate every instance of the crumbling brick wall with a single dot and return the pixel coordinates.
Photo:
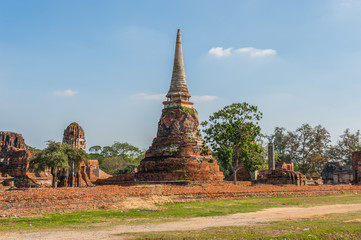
(35, 201)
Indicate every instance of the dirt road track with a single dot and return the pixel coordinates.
(239, 219)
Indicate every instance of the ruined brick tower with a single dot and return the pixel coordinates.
(89, 170)
(14, 154)
(176, 153)
(74, 136)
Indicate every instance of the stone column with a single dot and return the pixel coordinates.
(271, 157)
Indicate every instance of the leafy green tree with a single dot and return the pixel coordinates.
(280, 138)
(113, 165)
(108, 151)
(52, 157)
(34, 150)
(348, 142)
(231, 133)
(124, 150)
(128, 151)
(308, 148)
(129, 168)
(75, 158)
(118, 158)
(260, 141)
(95, 149)
(57, 157)
(95, 153)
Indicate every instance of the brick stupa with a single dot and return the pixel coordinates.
(74, 136)
(176, 153)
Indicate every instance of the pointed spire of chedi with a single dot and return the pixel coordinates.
(178, 94)
(177, 152)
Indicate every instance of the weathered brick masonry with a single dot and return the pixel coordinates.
(34, 201)
(89, 171)
(176, 153)
(14, 155)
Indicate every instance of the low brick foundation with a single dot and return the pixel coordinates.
(34, 201)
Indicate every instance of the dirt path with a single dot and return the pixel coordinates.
(239, 219)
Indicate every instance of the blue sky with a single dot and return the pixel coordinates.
(106, 64)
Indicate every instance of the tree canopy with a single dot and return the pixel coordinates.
(118, 158)
(231, 132)
(348, 142)
(310, 148)
(57, 157)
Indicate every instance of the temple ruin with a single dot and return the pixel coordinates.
(14, 154)
(14, 163)
(284, 173)
(337, 173)
(74, 136)
(177, 152)
(89, 170)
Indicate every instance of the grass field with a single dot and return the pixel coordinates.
(332, 226)
(165, 212)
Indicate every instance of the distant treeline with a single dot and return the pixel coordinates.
(118, 158)
(310, 148)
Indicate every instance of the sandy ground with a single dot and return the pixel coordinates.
(239, 219)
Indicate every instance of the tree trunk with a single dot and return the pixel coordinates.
(66, 178)
(53, 182)
(77, 179)
(72, 175)
(53, 173)
(235, 177)
(55, 179)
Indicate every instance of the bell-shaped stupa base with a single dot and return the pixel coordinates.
(177, 153)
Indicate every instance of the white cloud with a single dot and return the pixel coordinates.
(251, 51)
(204, 98)
(65, 93)
(158, 97)
(220, 52)
(254, 52)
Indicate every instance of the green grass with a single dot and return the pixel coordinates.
(165, 212)
(332, 226)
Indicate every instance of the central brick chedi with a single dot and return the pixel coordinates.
(176, 153)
